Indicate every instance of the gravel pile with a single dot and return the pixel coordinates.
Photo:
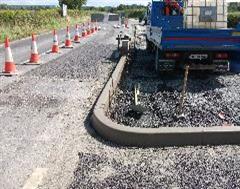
(199, 167)
(212, 100)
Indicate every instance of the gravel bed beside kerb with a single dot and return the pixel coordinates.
(212, 99)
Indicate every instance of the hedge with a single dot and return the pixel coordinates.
(35, 18)
(21, 23)
(233, 19)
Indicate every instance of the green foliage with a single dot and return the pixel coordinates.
(73, 4)
(21, 23)
(26, 17)
(234, 7)
(3, 6)
(134, 13)
(130, 11)
(25, 7)
(233, 19)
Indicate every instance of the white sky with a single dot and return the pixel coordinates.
(89, 2)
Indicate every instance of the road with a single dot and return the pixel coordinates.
(21, 49)
(42, 110)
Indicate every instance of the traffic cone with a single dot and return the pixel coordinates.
(68, 43)
(34, 59)
(88, 29)
(96, 27)
(84, 32)
(92, 29)
(126, 24)
(55, 47)
(9, 66)
(77, 35)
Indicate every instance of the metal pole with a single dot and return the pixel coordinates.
(182, 98)
(136, 93)
(118, 41)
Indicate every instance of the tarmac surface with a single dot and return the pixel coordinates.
(21, 49)
(45, 106)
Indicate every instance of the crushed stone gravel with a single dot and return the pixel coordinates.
(211, 100)
(189, 167)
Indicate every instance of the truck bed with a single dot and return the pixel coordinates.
(200, 39)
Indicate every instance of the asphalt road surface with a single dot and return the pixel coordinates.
(21, 49)
(44, 107)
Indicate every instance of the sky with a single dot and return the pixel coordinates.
(89, 2)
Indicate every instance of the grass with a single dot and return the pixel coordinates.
(235, 13)
(18, 31)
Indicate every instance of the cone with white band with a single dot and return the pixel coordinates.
(96, 27)
(9, 66)
(34, 59)
(68, 43)
(93, 28)
(88, 29)
(84, 32)
(55, 47)
(77, 35)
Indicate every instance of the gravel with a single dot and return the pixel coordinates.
(83, 64)
(212, 99)
(102, 164)
(189, 167)
(44, 108)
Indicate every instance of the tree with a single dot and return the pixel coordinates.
(234, 7)
(3, 6)
(73, 4)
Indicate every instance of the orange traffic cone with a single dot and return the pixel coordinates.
(34, 59)
(88, 29)
(9, 66)
(92, 28)
(96, 27)
(84, 32)
(55, 47)
(126, 24)
(77, 35)
(68, 43)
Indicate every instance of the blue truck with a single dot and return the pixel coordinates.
(175, 46)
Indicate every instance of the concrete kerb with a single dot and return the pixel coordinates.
(144, 137)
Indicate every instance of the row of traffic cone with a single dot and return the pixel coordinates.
(85, 33)
(10, 67)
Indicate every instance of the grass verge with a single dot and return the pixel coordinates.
(23, 23)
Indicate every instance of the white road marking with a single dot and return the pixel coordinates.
(35, 179)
